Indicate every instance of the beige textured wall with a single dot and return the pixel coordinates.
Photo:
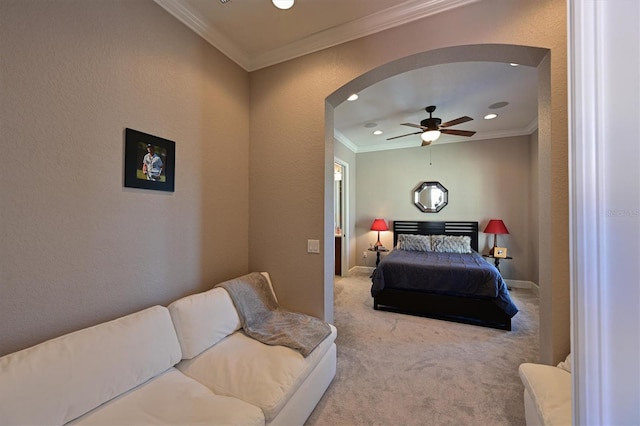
(76, 246)
(486, 179)
(534, 220)
(291, 148)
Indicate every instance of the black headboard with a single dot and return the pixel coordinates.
(436, 228)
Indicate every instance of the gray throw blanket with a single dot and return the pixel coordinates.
(263, 319)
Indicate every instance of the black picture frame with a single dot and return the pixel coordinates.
(136, 144)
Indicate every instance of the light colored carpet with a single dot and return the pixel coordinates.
(396, 369)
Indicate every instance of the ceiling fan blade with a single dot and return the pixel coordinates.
(456, 121)
(414, 125)
(402, 136)
(458, 132)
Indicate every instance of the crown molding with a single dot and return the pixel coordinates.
(340, 137)
(190, 18)
(400, 14)
(393, 17)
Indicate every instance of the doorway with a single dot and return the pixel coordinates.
(552, 338)
(341, 258)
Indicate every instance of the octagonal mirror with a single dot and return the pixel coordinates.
(430, 197)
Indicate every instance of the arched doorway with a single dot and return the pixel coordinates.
(530, 56)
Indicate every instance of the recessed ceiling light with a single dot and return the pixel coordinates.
(377, 132)
(490, 116)
(352, 97)
(371, 125)
(282, 4)
(513, 64)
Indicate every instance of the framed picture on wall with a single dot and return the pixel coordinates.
(149, 161)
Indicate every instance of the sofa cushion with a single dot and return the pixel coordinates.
(203, 319)
(173, 399)
(63, 378)
(566, 364)
(262, 375)
(550, 389)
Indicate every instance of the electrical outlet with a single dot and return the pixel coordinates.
(364, 254)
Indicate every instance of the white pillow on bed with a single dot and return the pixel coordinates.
(410, 242)
(451, 243)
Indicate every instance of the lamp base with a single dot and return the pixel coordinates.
(495, 244)
(378, 244)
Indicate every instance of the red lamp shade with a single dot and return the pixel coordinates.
(379, 225)
(496, 226)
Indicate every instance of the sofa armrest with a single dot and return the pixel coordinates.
(550, 389)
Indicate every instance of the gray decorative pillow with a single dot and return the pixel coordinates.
(451, 244)
(411, 242)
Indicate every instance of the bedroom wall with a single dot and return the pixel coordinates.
(288, 208)
(486, 179)
(77, 247)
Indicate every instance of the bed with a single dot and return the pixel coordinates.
(455, 286)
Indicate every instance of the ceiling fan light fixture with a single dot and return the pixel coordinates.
(283, 4)
(430, 135)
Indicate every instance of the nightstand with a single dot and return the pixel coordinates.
(378, 251)
(496, 260)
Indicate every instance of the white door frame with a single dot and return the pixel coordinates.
(345, 219)
(602, 107)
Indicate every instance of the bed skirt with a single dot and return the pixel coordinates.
(465, 310)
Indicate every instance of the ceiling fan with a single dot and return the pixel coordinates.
(432, 127)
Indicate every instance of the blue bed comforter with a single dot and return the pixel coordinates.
(466, 275)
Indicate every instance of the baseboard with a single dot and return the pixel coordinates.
(523, 284)
(361, 270)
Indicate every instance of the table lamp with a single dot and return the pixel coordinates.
(495, 227)
(379, 225)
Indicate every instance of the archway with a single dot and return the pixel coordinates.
(524, 55)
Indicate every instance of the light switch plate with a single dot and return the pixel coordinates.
(313, 246)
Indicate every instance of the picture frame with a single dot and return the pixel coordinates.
(149, 161)
(500, 252)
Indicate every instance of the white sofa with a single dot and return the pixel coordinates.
(547, 393)
(186, 364)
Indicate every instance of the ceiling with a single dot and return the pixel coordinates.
(255, 34)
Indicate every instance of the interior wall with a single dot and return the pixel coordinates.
(287, 209)
(77, 247)
(618, 206)
(534, 220)
(605, 216)
(486, 179)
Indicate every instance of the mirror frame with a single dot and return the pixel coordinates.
(430, 185)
